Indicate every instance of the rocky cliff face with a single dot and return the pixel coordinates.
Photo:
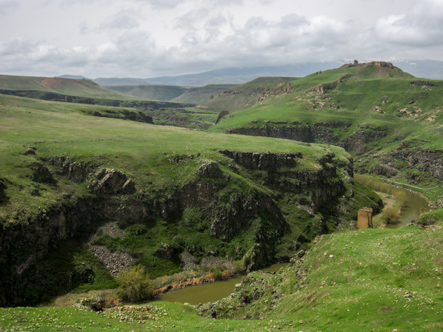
(425, 160)
(359, 142)
(319, 132)
(300, 132)
(214, 192)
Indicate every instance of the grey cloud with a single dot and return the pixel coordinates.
(162, 4)
(125, 19)
(17, 46)
(420, 26)
(216, 21)
(7, 6)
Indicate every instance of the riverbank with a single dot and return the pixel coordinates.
(401, 205)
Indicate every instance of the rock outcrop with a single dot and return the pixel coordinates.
(74, 171)
(41, 174)
(425, 160)
(209, 170)
(318, 132)
(112, 182)
(263, 161)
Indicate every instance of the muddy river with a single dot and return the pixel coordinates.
(212, 292)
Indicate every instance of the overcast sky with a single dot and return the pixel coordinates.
(147, 38)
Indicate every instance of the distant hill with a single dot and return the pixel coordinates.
(239, 75)
(243, 96)
(112, 81)
(151, 92)
(201, 95)
(35, 86)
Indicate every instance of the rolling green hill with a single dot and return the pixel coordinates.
(243, 96)
(201, 95)
(211, 100)
(63, 86)
(389, 120)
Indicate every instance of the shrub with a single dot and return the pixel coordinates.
(135, 285)
(218, 271)
(239, 267)
(391, 215)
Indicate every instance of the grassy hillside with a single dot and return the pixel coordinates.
(55, 129)
(379, 113)
(243, 96)
(377, 279)
(152, 92)
(64, 86)
(201, 95)
(213, 99)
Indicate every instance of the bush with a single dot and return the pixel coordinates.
(239, 267)
(218, 271)
(135, 285)
(391, 215)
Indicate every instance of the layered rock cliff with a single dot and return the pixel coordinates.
(240, 198)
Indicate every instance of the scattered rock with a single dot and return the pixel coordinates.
(114, 262)
(189, 261)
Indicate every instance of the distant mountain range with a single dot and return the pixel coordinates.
(238, 75)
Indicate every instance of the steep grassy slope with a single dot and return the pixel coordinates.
(63, 86)
(151, 92)
(390, 120)
(165, 190)
(378, 279)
